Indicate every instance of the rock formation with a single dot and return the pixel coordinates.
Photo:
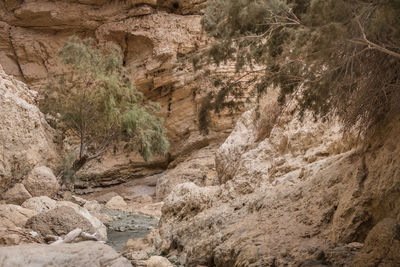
(277, 192)
(81, 254)
(58, 221)
(296, 198)
(26, 138)
(157, 39)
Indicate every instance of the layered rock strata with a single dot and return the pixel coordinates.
(157, 39)
(300, 197)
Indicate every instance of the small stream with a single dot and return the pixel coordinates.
(127, 225)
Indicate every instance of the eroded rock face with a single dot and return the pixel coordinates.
(26, 137)
(382, 245)
(79, 254)
(298, 198)
(198, 168)
(157, 39)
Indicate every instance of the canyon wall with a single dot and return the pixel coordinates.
(157, 39)
(26, 138)
(303, 196)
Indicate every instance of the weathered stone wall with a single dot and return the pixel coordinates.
(26, 140)
(300, 197)
(157, 39)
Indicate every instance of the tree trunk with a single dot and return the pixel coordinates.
(79, 163)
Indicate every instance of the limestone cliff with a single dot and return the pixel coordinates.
(303, 196)
(157, 39)
(26, 140)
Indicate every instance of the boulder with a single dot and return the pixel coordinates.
(98, 226)
(116, 203)
(40, 204)
(16, 194)
(12, 216)
(16, 236)
(158, 261)
(95, 209)
(59, 221)
(86, 253)
(92, 206)
(10, 239)
(382, 245)
(41, 182)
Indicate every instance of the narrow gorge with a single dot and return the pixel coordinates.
(266, 184)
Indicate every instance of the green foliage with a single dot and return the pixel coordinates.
(99, 104)
(340, 56)
(66, 163)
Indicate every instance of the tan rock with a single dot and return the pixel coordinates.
(87, 253)
(92, 206)
(274, 195)
(25, 135)
(10, 239)
(198, 168)
(99, 228)
(382, 245)
(40, 204)
(116, 203)
(158, 261)
(95, 209)
(136, 244)
(158, 59)
(16, 195)
(41, 182)
(59, 221)
(12, 216)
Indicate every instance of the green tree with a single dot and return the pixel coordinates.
(99, 104)
(340, 56)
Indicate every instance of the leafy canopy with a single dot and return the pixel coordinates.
(340, 56)
(99, 104)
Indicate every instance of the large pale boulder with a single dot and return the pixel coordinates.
(40, 204)
(59, 221)
(25, 135)
(99, 228)
(41, 182)
(16, 194)
(86, 253)
(12, 216)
